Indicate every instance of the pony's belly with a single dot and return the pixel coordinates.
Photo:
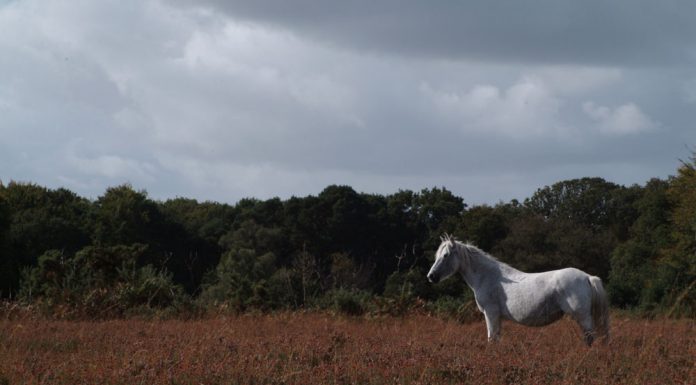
(543, 320)
(534, 314)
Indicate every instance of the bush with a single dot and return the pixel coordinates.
(346, 302)
(462, 309)
(99, 282)
(240, 280)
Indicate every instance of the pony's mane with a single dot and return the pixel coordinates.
(468, 246)
(448, 238)
(472, 250)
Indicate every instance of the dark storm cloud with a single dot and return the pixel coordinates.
(625, 33)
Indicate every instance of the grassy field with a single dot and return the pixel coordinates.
(311, 348)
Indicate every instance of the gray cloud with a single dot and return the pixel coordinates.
(255, 99)
(626, 33)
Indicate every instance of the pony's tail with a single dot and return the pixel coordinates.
(600, 307)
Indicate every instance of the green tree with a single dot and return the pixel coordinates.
(633, 262)
(528, 245)
(347, 221)
(535, 243)
(200, 227)
(245, 276)
(9, 266)
(38, 219)
(587, 218)
(590, 202)
(438, 209)
(124, 216)
(675, 279)
(207, 220)
(43, 219)
(484, 226)
(240, 279)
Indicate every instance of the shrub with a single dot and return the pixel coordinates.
(99, 282)
(239, 281)
(346, 302)
(462, 309)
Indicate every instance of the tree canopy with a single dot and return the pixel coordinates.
(126, 250)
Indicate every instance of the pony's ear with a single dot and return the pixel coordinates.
(443, 237)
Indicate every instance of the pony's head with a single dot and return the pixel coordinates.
(447, 260)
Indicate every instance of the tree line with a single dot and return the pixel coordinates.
(125, 252)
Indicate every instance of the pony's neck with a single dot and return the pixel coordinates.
(477, 266)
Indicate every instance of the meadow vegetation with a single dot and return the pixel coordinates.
(319, 348)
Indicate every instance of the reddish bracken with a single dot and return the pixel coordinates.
(311, 348)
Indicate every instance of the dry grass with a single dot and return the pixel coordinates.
(310, 348)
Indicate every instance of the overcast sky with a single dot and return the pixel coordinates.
(221, 100)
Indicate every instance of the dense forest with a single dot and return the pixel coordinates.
(125, 253)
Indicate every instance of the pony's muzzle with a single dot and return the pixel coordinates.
(433, 278)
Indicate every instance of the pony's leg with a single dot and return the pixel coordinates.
(492, 324)
(583, 317)
(587, 327)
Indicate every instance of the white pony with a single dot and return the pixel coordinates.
(533, 299)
